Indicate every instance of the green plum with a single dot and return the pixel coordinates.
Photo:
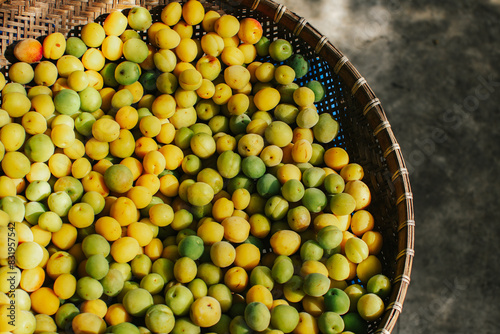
(334, 184)
(124, 328)
(318, 89)
(314, 200)
(95, 244)
(184, 325)
(276, 208)
(239, 326)
(293, 190)
(253, 167)
(262, 46)
(75, 47)
(262, 275)
(38, 190)
(165, 268)
(280, 49)
(139, 18)
(97, 266)
(342, 204)
(316, 284)
(282, 269)
(127, 72)
(108, 75)
(83, 123)
(89, 288)
(191, 246)
(113, 282)
(60, 203)
(326, 129)
(379, 285)
(14, 207)
(90, 99)
(284, 318)
(355, 323)
(229, 164)
(329, 237)
(179, 298)
(67, 102)
(313, 177)
(137, 302)
(257, 316)
(268, 185)
(160, 319)
(33, 212)
(39, 148)
(299, 64)
(153, 283)
(311, 250)
(65, 315)
(336, 300)
(330, 323)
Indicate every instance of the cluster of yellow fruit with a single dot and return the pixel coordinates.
(153, 181)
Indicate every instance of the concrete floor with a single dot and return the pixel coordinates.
(435, 65)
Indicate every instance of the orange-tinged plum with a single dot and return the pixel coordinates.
(28, 50)
(250, 30)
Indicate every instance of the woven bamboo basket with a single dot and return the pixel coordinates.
(365, 131)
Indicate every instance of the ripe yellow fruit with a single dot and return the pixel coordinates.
(45, 301)
(54, 46)
(93, 34)
(115, 23)
(15, 165)
(16, 104)
(193, 12)
(45, 73)
(124, 249)
(171, 14)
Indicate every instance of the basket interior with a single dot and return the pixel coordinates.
(355, 134)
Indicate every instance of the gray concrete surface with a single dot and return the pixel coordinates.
(435, 65)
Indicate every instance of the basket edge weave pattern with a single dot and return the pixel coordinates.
(65, 15)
